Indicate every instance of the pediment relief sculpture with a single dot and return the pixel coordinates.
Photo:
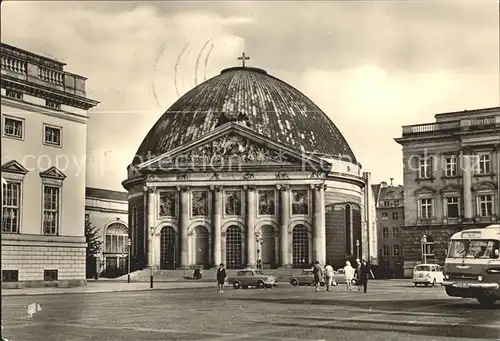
(486, 185)
(425, 189)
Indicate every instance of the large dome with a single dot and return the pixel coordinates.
(274, 109)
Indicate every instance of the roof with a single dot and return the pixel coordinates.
(270, 106)
(99, 193)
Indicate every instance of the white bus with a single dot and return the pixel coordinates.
(472, 266)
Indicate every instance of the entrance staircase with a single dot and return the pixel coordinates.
(208, 274)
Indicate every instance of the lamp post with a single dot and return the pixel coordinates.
(152, 231)
(357, 248)
(129, 243)
(423, 242)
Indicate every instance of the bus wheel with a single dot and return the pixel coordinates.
(486, 301)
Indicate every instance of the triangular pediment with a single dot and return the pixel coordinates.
(53, 173)
(424, 190)
(236, 147)
(451, 188)
(14, 167)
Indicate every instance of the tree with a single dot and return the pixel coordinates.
(93, 239)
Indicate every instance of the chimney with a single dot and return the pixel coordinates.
(391, 180)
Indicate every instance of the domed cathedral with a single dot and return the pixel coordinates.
(244, 170)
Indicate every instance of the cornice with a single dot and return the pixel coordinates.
(42, 91)
(44, 110)
(105, 210)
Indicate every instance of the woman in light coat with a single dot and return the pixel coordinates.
(349, 274)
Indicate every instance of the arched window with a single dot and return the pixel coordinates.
(116, 238)
(300, 246)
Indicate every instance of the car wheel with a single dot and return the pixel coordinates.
(486, 301)
(434, 282)
(322, 284)
(236, 285)
(294, 282)
(426, 284)
(260, 285)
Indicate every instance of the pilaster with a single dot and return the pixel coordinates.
(318, 223)
(467, 184)
(150, 218)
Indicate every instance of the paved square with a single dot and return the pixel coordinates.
(390, 310)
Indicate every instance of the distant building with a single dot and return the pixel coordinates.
(390, 218)
(44, 134)
(108, 211)
(451, 180)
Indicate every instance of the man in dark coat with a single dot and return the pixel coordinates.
(221, 278)
(364, 273)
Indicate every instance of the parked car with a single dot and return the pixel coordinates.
(340, 276)
(252, 278)
(428, 274)
(306, 277)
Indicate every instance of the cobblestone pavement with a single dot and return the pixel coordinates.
(390, 310)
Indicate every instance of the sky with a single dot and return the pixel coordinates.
(371, 66)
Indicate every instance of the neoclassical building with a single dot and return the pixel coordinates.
(242, 168)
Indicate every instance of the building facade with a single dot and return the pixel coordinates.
(44, 133)
(390, 219)
(107, 211)
(451, 180)
(245, 168)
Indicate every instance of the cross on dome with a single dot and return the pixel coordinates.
(243, 58)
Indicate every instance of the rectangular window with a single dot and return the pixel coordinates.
(51, 199)
(384, 215)
(52, 104)
(87, 218)
(394, 215)
(484, 164)
(425, 208)
(385, 232)
(13, 94)
(387, 203)
(52, 135)
(11, 207)
(395, 250)
(452, 207)
(395, 232)
(116, 244)
(425, 168)
(385, 250)
(451, 166)
(50, 275)
(13, 127)
(10, 275)
(485, 205)
(428, 249)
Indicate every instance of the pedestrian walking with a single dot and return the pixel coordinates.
(357, 274)
(364, 274)
(221, 278)
(318, 274)
(349, 275)
(329, 276)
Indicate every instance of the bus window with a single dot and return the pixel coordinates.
(475, 248)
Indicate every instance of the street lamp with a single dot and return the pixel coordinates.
(423, 241)
(357, 248)
(129, 243)
(152, 231)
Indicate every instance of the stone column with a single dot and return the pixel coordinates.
(467, 184)
(183, 226)
(322, 223)
(150, 218)
(318, 224)
(284, 222)
(217, 225)
(250, 225)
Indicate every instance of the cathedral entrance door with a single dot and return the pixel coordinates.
(268, 246)
(168, 248)
(202, 246)
(234, 250)
(300, 247)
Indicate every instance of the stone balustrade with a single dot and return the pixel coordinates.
(458, 125)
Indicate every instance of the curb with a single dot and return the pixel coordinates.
(98, 291)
